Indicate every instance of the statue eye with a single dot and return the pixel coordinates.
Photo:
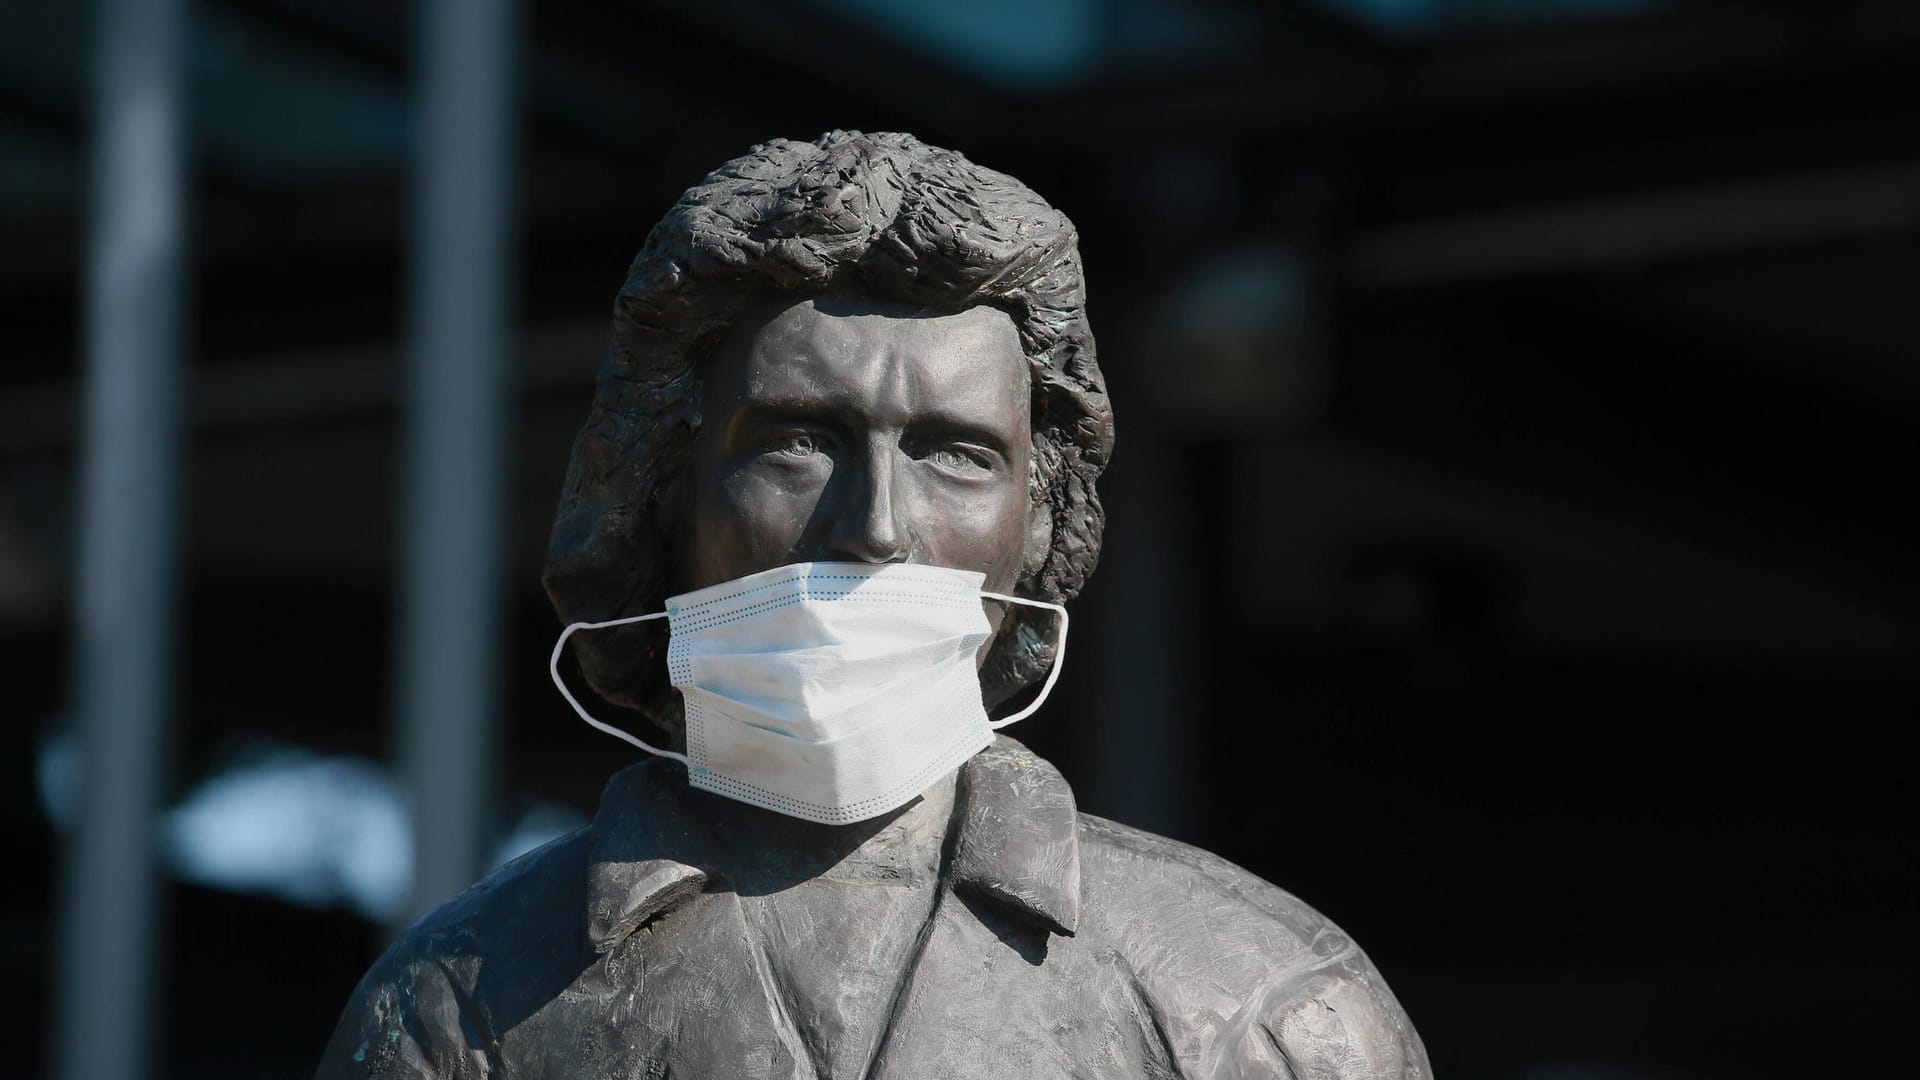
(956, 459)
(795, 443)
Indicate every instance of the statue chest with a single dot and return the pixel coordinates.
(866, 981)
(836, 955)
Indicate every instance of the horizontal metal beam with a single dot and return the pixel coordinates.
(1599, 235)
(317, 386)
(1654, 62)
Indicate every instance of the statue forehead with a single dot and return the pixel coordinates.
(786, 345)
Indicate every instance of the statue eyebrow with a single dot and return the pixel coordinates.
(937, 422)
(773, 410)
(839, 413)
(756, 414)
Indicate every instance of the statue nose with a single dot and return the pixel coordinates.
(870, 527)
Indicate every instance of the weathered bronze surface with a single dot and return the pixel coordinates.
(858, 349)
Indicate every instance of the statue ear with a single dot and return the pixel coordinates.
(1039, 542)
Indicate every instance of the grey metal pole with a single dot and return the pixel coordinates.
(459, 419)
(124, 593)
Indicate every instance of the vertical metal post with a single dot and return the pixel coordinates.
(459, 420)
(124, 593)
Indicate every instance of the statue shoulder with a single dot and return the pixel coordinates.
(1131, 868)
(1298, 995)
(427, 1007)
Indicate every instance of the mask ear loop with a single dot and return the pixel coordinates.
(1059, 656)
(553, 668)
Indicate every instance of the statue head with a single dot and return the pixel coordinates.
(861, 348)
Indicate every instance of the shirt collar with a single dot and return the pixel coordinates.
(1016, 845)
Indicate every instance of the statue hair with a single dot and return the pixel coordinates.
(882, 215)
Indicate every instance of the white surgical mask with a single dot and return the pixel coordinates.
(833, 692)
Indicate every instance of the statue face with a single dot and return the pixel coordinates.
(848, 430)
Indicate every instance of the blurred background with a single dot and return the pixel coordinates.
(1510, 548)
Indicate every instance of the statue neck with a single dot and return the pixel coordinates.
(771, 850)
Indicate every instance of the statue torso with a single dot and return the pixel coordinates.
(1038, 942)
(836, 946)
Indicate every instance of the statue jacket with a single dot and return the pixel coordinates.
(1058, 945)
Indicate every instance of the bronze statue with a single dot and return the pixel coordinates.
(861, 352)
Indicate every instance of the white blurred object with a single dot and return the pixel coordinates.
(312, 829)
(541, 824)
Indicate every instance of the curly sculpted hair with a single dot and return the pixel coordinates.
(882, 215)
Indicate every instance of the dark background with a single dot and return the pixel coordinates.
(1510, 548)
